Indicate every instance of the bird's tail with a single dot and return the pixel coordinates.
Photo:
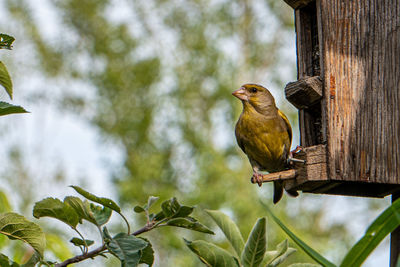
(278, 191)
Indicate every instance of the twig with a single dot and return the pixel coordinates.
(277, 176)
(98, 250)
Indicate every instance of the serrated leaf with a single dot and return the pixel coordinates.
(256, 245)
(183, 211)
(100, 200)
(5, 79)
(383, 225)
(307, 249)
(282, 257)
(79, 242)
(55, 208)
(82, 208)
(212, 255)
(127, 248)
(101, 214)
(16, 226)
(6, 109)
(151, 201)
(6, 262)
(138, 209)
(229, 228)
(6, 41)
(159, 216)
(189, 223)
(147, 254)
(170, 207)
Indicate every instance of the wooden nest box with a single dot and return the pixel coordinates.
(348, 96)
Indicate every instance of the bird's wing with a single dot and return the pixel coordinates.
(239, 139)
(289, 128)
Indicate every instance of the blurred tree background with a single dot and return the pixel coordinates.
(153, 79)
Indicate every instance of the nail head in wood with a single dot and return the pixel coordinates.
(304, 92)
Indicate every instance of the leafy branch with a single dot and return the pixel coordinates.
(73, 211)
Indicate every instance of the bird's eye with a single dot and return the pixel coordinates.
(253, 90)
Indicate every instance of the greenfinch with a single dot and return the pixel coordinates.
(264, 134)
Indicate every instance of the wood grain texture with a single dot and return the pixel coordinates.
(305, 92)
(308, 65)
(360, 49)
(313, 170)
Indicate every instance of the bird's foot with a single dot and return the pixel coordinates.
(257, 178)
(295, 151)
(291, 159)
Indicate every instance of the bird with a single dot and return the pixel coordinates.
(264, 134)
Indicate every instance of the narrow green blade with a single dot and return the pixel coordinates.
(307, 249)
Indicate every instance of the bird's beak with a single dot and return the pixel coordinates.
(241, 94)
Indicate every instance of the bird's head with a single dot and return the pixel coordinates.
(256, 95)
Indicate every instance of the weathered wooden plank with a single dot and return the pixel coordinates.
(314, 170)
(305, 92)
(297, 3)
(361, 76)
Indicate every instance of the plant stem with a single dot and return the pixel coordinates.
(98, 250)
(127, 223)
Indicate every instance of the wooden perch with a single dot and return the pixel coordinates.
(277, 176)
(304, 92)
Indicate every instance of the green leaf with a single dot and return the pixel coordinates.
(147, 253)
(212, 255)
(189, 223)
(307, 249)
(256, 245)
(127, 248)
(79, 242)
(82, 208)
(6, 109)
(6, 262)
(6, 41)
(101, 200)
(5, 79)
(55, 208)
(151, 201)
(386, 223)
(138, 209)
(101, 214)
(281, 248)
(170, 207)
(229, 228)
(282, 258)
(16, 226)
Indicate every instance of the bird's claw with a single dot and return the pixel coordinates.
(257, 178)
(294, 160)
(295, 151)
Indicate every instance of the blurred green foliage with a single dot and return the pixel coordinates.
(162, 72)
